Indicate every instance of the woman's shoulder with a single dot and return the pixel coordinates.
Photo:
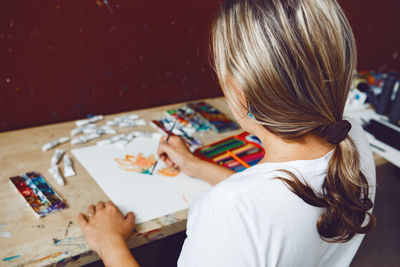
(247, 189)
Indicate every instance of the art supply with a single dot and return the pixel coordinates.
(68, 168)
(122, 140)
(132, 120)
(55, 143)
(189, 119)
(218, 121)
(90, 120)
(58, 153)
(55, 172)
(166, 124)
(84, 139)
(93, 129)
(237, 159)
(37, 193)
(236, 152)
(134, 123)
(150, 196)
(166, 141)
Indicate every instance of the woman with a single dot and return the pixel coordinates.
(285, 67)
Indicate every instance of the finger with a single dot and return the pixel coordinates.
(176, 140)
(169, 162)
(91, 209)
(100, 205)
(109, 204)
(164, 149)
(82, 221)
(160, 143)
(130, 218)
(161, 148)
(163, 139)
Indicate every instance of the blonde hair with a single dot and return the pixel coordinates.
(292, 60)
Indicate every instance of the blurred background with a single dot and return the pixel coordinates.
(63, 60)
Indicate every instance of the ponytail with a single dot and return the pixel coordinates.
(344, 197)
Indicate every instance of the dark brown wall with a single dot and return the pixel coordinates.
(376, 26)
(61, 60)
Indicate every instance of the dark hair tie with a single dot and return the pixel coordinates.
(337, 131)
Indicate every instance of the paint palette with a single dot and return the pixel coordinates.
(189, 118)
(236, 152)
(166, 124)
(37, 193)
(217, 120)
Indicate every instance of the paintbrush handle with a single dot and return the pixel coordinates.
(170, 131)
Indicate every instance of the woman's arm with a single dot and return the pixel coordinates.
(106, 231)
(176, 154)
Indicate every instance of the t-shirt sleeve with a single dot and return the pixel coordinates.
(216, 234)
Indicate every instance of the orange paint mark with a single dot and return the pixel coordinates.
(143, 164)
(170, 172)
(51, 256)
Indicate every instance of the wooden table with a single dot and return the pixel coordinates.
(56, 239)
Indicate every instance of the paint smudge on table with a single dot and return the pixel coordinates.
(166, 220)
(11, 259)
(152, 235)
(6, 234)
(78, 241)
(66, 231)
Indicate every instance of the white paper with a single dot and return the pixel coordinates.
(148, 196)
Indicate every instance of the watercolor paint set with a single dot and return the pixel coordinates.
(216, 119)
(188, 118)
(37, 193)
(236, 152)
(166, 124)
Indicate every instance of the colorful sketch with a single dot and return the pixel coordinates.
(143, 164)
(170, 172)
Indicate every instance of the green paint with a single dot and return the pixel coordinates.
(146, 172)
(219, 145)
(224, 149)
(9, 259)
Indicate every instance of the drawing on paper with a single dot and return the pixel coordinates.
(143, 164)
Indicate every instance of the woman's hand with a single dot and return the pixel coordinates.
(176, 154)
(105, 228)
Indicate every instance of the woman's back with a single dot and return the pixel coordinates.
(252, 219)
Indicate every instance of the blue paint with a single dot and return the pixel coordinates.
(9, 259)
(125, 87)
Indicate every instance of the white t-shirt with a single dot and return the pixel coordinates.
(251, 219)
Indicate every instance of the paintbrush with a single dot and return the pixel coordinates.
(166, 141)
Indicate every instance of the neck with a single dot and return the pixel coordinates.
(280, 150)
